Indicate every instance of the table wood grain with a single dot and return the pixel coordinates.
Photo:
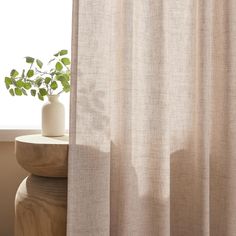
(43, 156)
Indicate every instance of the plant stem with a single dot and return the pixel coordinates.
(60, 92)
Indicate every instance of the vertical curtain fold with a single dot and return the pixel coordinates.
(153, 118)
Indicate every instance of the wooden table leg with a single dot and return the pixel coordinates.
(40, 207)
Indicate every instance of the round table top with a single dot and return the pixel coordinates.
(39, 139)
(43, 156)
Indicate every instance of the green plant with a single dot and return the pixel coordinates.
(41, 80)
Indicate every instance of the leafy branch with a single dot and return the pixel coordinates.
(40, 81)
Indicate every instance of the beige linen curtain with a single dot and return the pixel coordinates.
(153, 118)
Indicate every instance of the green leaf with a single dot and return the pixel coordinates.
(57, 54)
(14, 73)
(18, 92)
(61, 77)
(33, 92)
(8, 81)
(23, 74)
(40, 97)
(59, 66)
(66, 89)
(24, 92)
(27, 85)
(11, 91)
(65, 61)
(38, 82)
(65, 83)
(66, 86)
(30, 73)
(67, 76)
(19, 83)
(29, 59)
(54, 85)
(47, 80)
(39, 63)
(63, 52)
(14, 81)
(7, 86)
(43, 92)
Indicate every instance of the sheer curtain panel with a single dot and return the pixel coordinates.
(153, 118)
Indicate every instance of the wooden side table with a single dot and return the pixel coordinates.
(41, 199)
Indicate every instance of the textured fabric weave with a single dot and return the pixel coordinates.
(153, 118)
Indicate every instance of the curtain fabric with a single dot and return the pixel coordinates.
(153, 118)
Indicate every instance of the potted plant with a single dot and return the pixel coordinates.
(41, 81)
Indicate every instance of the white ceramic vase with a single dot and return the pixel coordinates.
(53, 117)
